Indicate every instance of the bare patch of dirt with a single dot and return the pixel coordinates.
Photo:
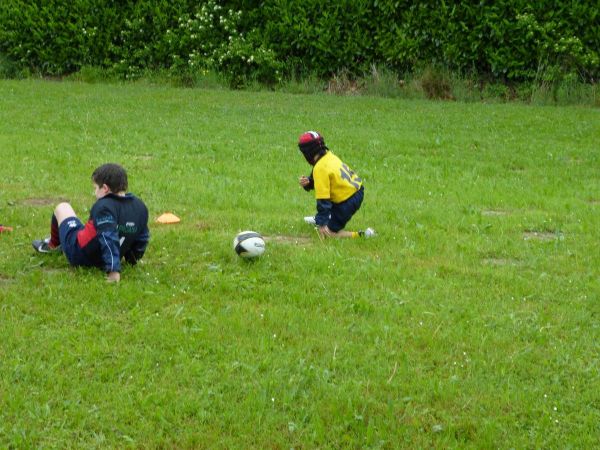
(594, 201)
(494, 212)
(5, 278)
(500, 262)
(533, 235)
(297, 240)
(144, 157)
(43, 201)
(203, 226)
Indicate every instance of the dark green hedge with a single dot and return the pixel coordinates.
(501, 40)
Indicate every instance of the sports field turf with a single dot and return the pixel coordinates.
(470, 321)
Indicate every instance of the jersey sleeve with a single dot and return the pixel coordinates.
(323, 212)
(322, 183)
(108, 239)
(138, 248)
(311, 183)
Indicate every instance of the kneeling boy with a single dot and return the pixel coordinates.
(338, 189)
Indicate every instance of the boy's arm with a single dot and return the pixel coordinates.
(138, 248)
(113, 277)
(307, 182)
(108, 238)
(323, 211)
(323, 196)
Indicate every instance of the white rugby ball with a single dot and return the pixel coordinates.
(249, 244)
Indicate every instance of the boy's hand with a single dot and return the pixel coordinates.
(304, 181)
(113, 277)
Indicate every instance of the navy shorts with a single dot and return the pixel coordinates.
(68, 241)
(342, 212)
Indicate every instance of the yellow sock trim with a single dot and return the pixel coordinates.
(355, 234)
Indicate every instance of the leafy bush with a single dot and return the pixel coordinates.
(8, 69)
(505, 41)
(312, 37)
(211, 38)
(56, 37)
(141, 41)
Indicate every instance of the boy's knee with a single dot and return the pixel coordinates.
(63, 205)
(63, 211)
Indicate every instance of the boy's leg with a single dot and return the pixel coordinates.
(54, 233)
(63, 211)
(342, 234)
(369, 232)
(341, 214)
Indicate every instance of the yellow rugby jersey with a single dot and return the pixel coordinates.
(334, 180)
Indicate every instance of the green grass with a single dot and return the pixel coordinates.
(471, 321)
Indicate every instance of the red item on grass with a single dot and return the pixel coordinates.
(5, 228)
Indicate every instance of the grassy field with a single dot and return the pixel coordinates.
(471, 321)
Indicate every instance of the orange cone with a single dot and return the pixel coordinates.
(168, 218)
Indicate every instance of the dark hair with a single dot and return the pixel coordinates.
(113, 175)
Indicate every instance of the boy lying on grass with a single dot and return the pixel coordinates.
(117, 227)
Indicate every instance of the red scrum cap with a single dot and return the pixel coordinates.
(311, 144)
